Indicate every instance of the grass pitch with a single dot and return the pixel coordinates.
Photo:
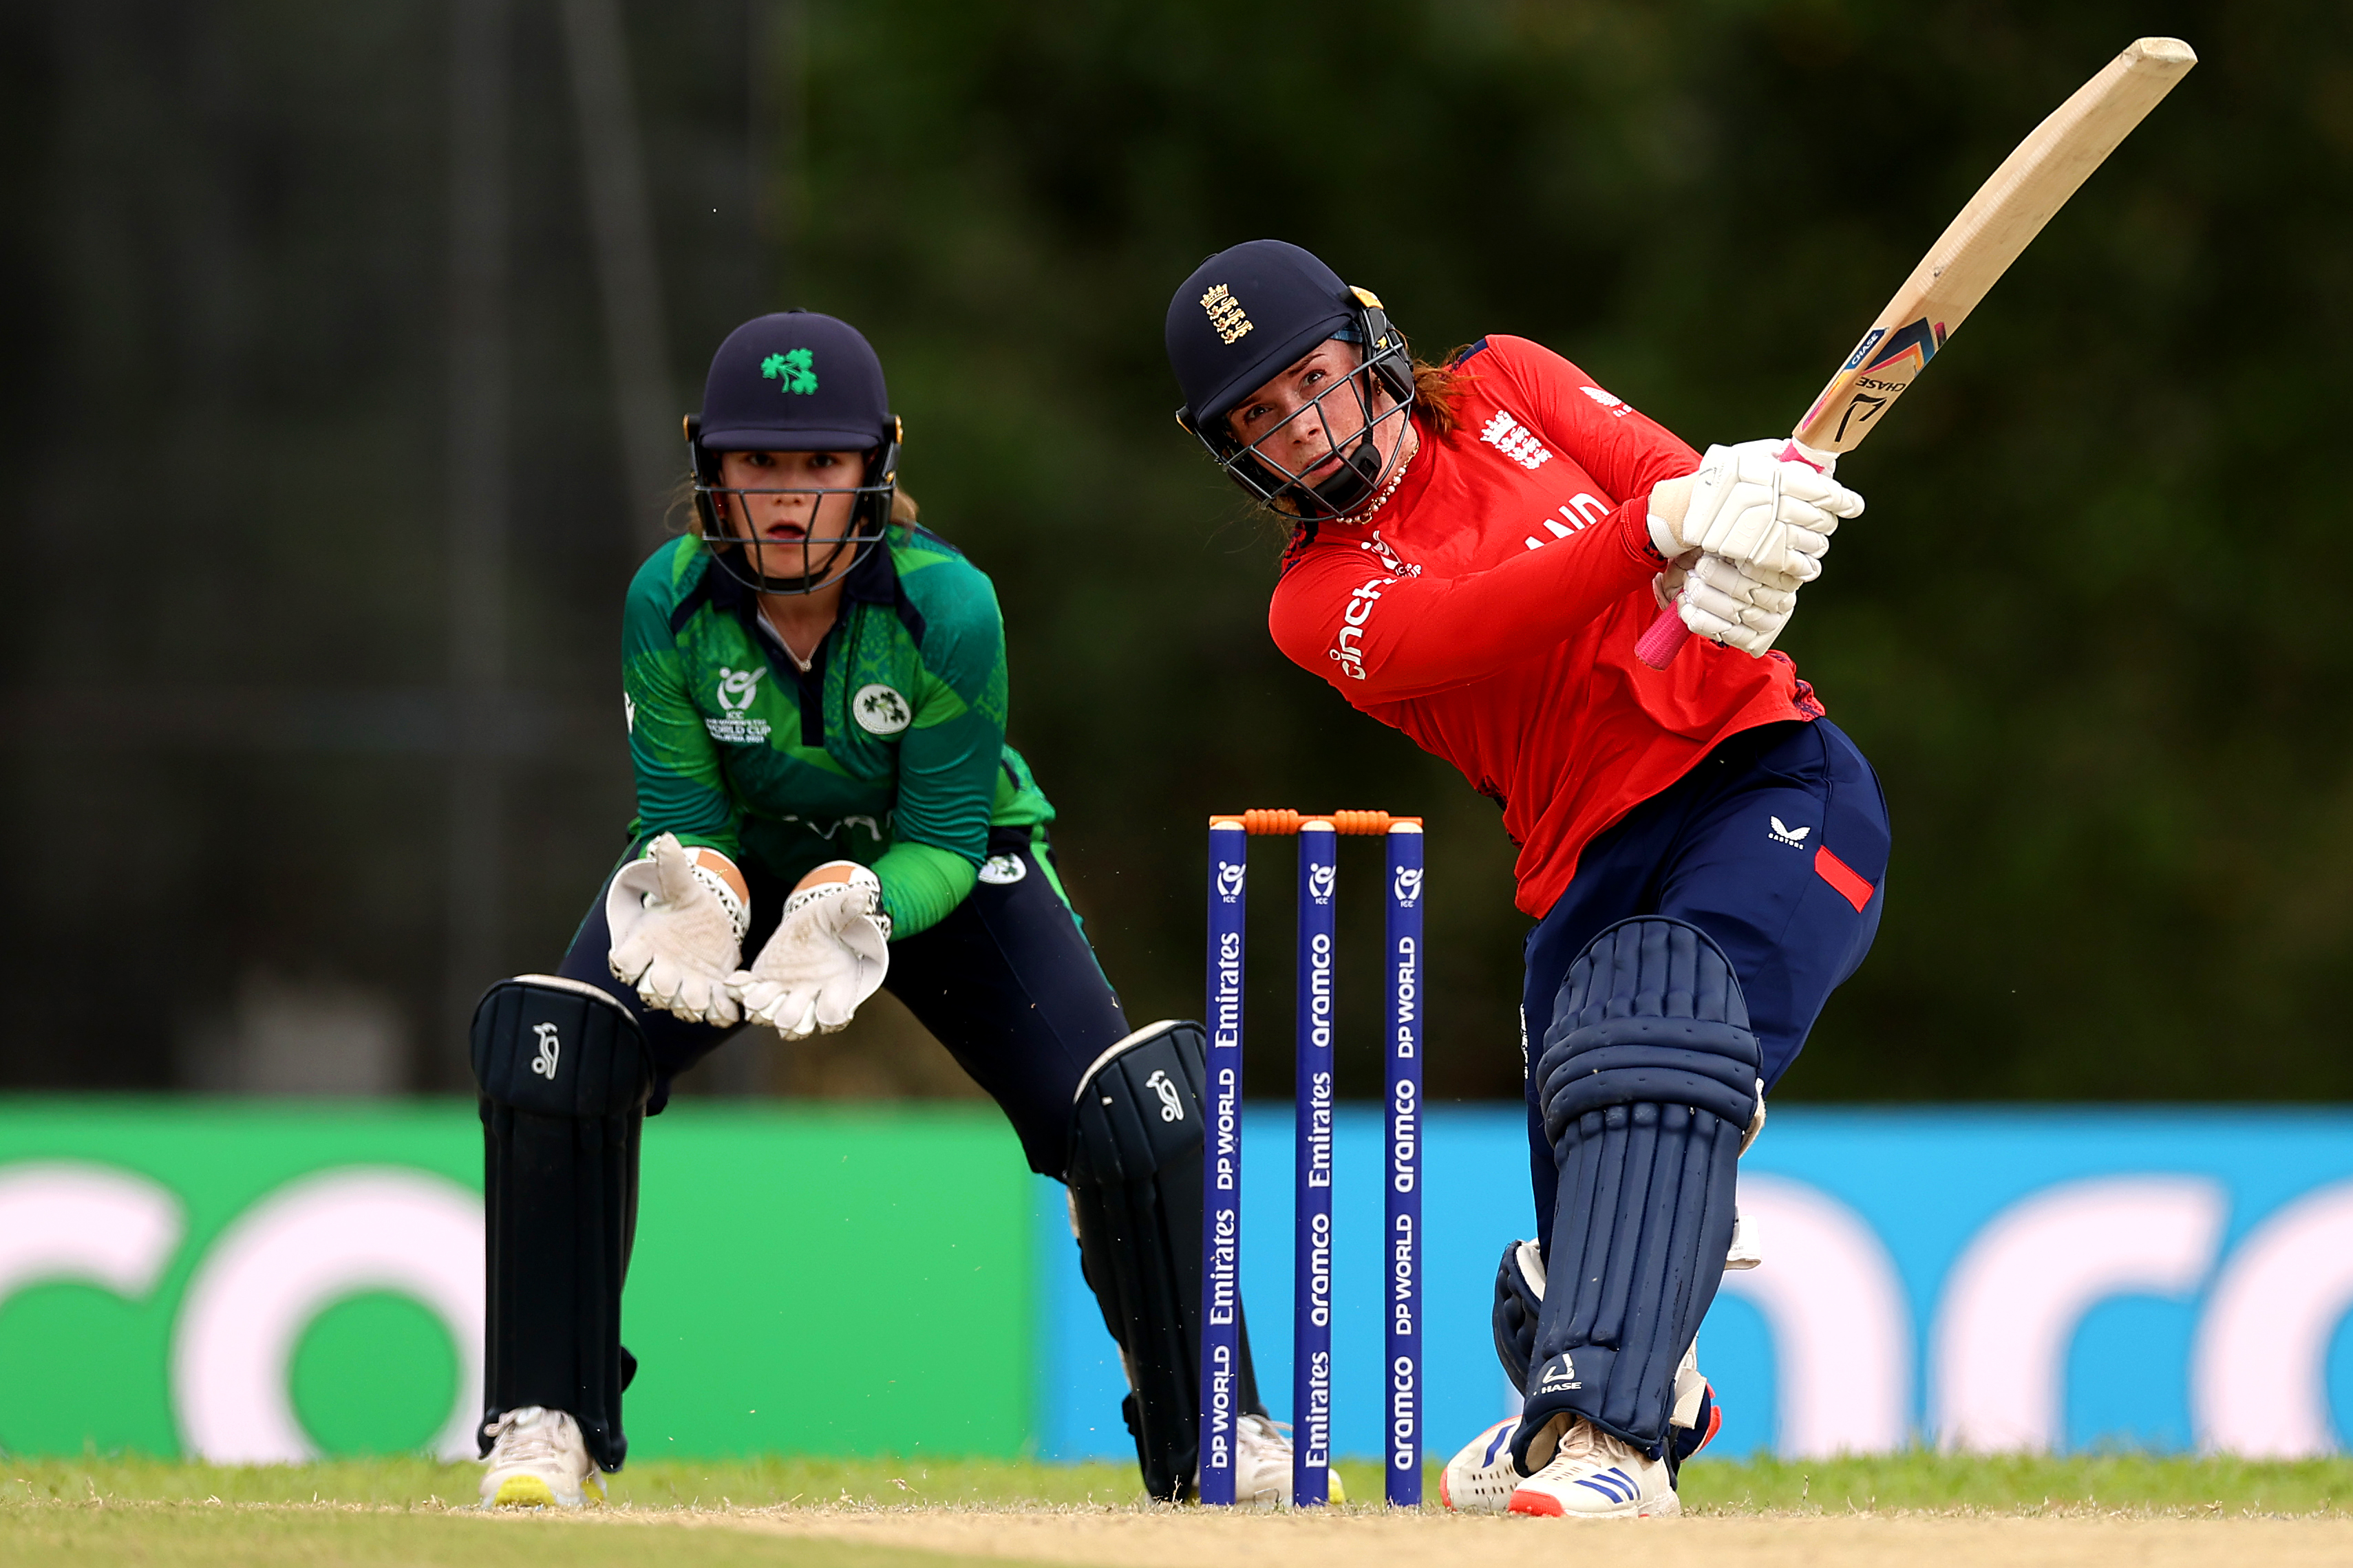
(886, 1513)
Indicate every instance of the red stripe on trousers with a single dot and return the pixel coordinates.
(1841, 876)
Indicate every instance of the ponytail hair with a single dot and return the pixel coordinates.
(1437, 394)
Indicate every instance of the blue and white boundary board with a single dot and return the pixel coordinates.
(1992, 1280)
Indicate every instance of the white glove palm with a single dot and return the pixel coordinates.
(677, 929)
(828, 954)
(1759, 503)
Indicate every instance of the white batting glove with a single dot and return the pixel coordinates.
(676, 919)
(1760, 502)
(1736, 602)
(828, 954)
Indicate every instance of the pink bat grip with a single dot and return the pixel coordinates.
(1664, 640)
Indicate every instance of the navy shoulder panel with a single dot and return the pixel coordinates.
(1465, 352)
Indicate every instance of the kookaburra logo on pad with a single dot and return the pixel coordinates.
(550, 1048)
(1172, 1106)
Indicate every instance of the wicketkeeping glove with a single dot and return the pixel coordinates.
(828, 954)
(677, 919)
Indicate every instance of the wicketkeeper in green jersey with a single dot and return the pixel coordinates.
(815, 691)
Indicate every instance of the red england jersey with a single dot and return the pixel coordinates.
(1490, 607)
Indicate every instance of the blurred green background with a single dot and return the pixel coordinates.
(346, 346)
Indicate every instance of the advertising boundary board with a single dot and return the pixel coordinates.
(263, 1281)
(1989, 1279)
(260, 1281)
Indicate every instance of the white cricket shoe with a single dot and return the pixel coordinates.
(1592, 1475)
(538, 1460)
(1262, 1456)
(1481, 1478)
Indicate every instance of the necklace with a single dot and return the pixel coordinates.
(1412, 450)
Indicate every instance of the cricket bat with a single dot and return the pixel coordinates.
(2008, 212)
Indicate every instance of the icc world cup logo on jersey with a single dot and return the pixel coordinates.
(736, 691)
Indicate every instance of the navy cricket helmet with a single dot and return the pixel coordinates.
(1249, 314)
(794, 382)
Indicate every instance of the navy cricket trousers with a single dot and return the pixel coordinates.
(1776, 846)
(1006, 982)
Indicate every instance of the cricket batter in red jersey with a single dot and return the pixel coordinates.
(1476, 549)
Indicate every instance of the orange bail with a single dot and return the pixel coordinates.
(1279, 821)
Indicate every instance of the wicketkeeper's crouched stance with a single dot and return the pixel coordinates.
(816, 702)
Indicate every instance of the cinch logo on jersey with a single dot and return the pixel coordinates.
(738, 688)
(1514, 440)
(1617, 407)
(550, 1048)
(1352, 630)
(795, 367)
(1172, 1108)
(1793, 837)
(1559, 1372)
(879, 711)
(1003, 870)
(1225, 314)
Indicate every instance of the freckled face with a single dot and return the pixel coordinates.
(1290, 429)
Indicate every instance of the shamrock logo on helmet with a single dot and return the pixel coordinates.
(794, 367)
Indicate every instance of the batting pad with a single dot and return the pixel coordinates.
(1649, 1076)
(1135, 1203)
(1519, 1301)
(563, 1076)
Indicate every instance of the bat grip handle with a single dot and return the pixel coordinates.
(1667, 634)
(1665, 640)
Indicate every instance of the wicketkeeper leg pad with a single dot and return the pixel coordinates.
(564, 1075)
(1135, 1177)
(1649, 1076)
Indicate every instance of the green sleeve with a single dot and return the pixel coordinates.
(950, 756)
(921, 885)
(680, 789)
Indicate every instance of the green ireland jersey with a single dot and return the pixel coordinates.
(888, 750)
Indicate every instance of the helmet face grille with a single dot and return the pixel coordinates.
(1385, 374)
(824, 559)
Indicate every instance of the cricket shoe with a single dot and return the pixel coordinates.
(1262, 1458)
(1592, 1475)
(1481, 1478)
(538, 1460)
